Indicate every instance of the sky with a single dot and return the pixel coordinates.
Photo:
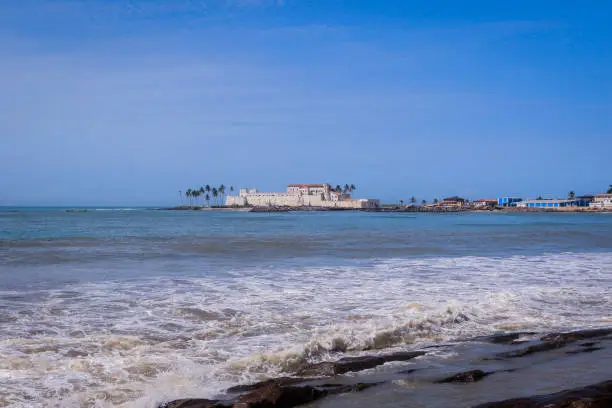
(125, 102)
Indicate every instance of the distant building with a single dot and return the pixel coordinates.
(300, 195)
(452, 202)
(553, 203)
(602, 201)
(484, 202)
(508, 201)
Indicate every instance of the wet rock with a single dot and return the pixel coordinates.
(281, 381)
(349, 364)
(275, 396)
(194, 403)
(402, 356)
(576, 335)
(325, 369)
(555, 341)
(465, 377)
(509, 338)
(593, 396)
(410, 371)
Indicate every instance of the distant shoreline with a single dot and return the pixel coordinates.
(398, 209)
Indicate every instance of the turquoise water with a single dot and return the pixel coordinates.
(130, 307)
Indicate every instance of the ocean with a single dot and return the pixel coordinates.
(131, 307)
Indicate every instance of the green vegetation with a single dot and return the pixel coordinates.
(193, 195)
(610, 189)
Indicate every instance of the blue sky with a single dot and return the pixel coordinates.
(122, 102)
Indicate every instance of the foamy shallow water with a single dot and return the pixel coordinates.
(138, 342)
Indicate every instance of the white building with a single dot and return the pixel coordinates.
(602, 201)
(300, 195)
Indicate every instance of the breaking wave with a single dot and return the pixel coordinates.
(137, 343)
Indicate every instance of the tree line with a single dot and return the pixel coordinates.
(208, 194)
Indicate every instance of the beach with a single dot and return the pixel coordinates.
(140, 307)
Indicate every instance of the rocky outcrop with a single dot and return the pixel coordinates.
(509, 338)
(349, 364)
(281, 392)
(555, 341)
(276, 396)
(465, 377)
(280, 381)
(273, 395)
(593, 396)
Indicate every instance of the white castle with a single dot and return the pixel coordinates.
(300, 195)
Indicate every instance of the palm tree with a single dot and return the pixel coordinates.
(231, 189)
(412, 200)
(423, 202)
(207, 198)
(346, 188)
(571, 195)
(436, 201)
(188, 195)
(207, 188)
(180, 197)
(610, 189)
(352, 188)
(215, 193)
(222, 192)
(338, 189)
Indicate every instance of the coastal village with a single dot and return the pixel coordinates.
(325, 197)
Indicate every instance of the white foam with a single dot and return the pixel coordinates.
(138, 343)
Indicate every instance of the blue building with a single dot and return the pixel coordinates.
(508, 201)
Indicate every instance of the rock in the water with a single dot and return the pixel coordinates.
(195, 403)
(275, 396)
(509, 338)
(556, 341)
(466, 377)
(281, 381)
(349, 364)
(576, 335)
(593, 396)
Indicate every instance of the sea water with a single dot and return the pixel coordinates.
(134, 307)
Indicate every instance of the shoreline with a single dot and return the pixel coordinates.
(495, 371)
(392, 209)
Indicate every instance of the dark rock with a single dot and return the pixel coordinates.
(281, 381)
(593, 396)
(348, 364)
(325, 369)
(465, 377)
(194, 403)
(510, 338)
(576, 335)
(555, 341)
(402, 356)
(588, 344)
(275, 396)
